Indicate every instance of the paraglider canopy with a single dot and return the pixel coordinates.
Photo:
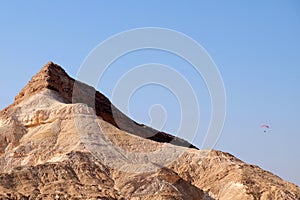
(265, 126)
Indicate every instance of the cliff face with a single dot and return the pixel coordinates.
(61, 139)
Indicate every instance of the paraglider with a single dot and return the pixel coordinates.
(265, 127)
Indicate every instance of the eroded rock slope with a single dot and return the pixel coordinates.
(61, 139)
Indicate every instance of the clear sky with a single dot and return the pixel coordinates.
(255, 44)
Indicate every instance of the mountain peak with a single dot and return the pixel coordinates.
(56, 148)
(52, 67)
(52, 77)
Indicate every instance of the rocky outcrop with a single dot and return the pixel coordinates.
(56, 144)
(54, 78)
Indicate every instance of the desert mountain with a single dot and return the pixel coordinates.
(62, 139)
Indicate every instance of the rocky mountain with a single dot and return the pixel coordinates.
(62, 139)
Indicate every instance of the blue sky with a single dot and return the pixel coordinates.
(255, 44)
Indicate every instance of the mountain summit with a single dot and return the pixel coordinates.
(53, 77)
(62, 139)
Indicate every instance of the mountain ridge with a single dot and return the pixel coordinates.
(54, 77)
(57, 146)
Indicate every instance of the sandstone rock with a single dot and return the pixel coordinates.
(61, 139)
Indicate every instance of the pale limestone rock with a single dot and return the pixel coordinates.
(55, 146)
